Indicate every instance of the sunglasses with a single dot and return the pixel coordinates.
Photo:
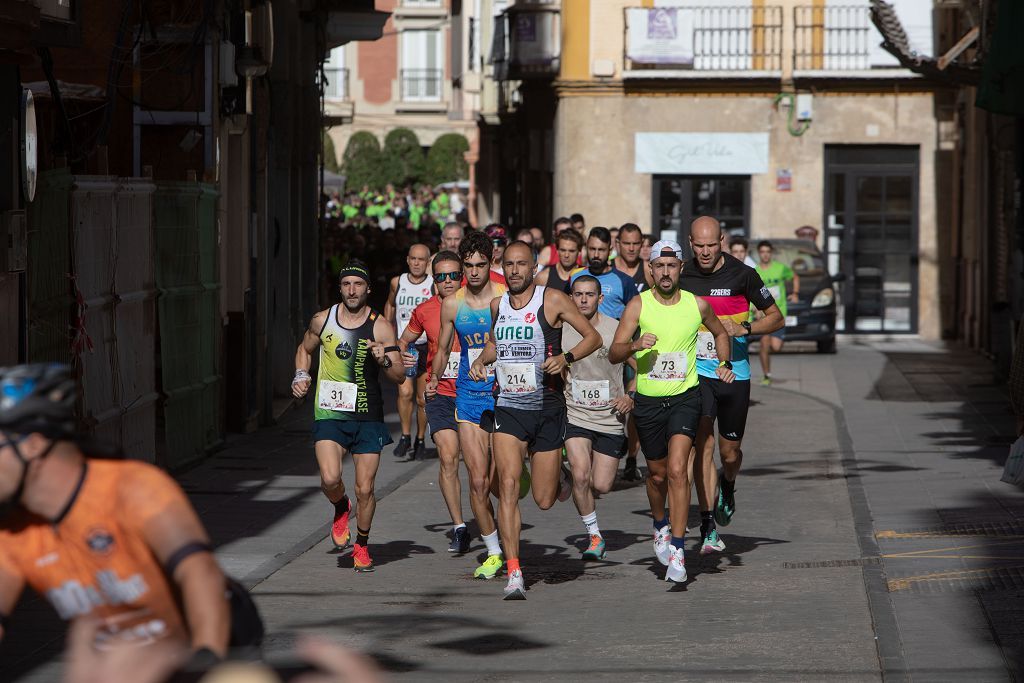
(454, 276)
(499, 242)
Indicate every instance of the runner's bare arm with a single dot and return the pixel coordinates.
(795, 294)
(304, 354)
(384, 335)
(12, 583)
(772, 320)
(541, 278)
(445, 335)
(722, 340)
(170, 527)
(622, 347)
(561, 306)
(389, 305)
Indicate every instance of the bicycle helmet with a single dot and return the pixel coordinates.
(38, 398)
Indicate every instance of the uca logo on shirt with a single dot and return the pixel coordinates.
(343, 351)
(100, 541)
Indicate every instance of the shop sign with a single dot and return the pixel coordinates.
(702, 153)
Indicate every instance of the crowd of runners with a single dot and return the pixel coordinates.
(539, 366)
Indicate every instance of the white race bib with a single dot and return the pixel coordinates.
(706, 349)
(591, 394)
(790, 321)
(473, 354)
(669, 367)
(775, 291)
(517, 378)
(338, 395)
(451, 370)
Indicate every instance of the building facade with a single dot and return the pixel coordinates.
(767, 115)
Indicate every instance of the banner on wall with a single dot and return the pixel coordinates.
(702, 153)
(660, 35)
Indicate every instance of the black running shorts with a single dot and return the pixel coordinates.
(728, 403)
(658, 418)
(542, 430)
(606, 444)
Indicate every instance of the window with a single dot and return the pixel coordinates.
(336, 87)
(422, 74)
(680, 199)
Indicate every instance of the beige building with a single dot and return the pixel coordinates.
(767, 115)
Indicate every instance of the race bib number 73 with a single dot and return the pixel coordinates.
(668, 367)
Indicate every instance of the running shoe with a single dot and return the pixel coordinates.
(420, 450)
(460, 541)
(340, 534)
(712, 543)
(662, 544)
(676, 566)
(516, 587)
(404, 444)
(565, 485)
(490, 568)
(525, 481)
(361, 561)
(725, 507)
(631, 472)
(766, 381)
(596, 549)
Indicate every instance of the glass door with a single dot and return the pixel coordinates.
(680, 199)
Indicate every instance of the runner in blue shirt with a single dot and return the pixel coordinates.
(617, 287)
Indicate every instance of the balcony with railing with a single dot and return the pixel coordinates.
(703, 42)
(840, 41)
(422, 85)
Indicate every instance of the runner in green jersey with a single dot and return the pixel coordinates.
(775, 276)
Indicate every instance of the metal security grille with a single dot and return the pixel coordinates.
(186, 273)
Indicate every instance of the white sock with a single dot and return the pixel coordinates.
(590, 521)
(458, 526)
(491, 541)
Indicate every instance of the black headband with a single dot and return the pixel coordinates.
(354, 271)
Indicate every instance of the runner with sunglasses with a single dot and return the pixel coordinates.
(426, 319)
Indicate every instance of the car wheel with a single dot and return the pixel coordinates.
(827, 345)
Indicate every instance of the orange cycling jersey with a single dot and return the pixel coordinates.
(95, 560)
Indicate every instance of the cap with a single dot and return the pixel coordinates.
(666, 248)
(495, 232)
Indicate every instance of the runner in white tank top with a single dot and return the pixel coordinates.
(408, 291)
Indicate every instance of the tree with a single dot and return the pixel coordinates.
(403, 161)
(446, 160)
(330, 156)
(361, 162)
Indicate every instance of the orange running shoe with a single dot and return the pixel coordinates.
(361, 561)
(340, 533)
(596, 549)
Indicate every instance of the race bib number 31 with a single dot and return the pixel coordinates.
(706, 349)
(669, 367)
(591, 394)
(517, 378)
(338, 395)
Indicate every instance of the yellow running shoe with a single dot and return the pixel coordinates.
(490, 568)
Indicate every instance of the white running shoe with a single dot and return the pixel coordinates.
(676, 566)
(516, 588)
(663, 544)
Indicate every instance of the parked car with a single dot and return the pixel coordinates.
(813, 316)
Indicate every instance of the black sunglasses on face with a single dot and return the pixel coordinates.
(454, 276)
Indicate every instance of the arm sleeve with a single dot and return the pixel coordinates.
(756, 292)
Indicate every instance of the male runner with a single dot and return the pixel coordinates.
(667, 402)
(499, 238)
(631, 240)
(616, 286)
(775, 276)
(557, 277)
(730, 288)
(597, 407)
(356, 345)
(114, 540)
(738, 247)
(426, 319)
(526, 347)
(467, 316)
(451, 235)
(408, 291)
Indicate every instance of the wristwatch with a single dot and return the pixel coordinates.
(569, 358)
(746, 325)
(727, 364)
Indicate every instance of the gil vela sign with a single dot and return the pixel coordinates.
(702, 153)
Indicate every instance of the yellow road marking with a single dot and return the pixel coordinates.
(937, 534)
(905, 582)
